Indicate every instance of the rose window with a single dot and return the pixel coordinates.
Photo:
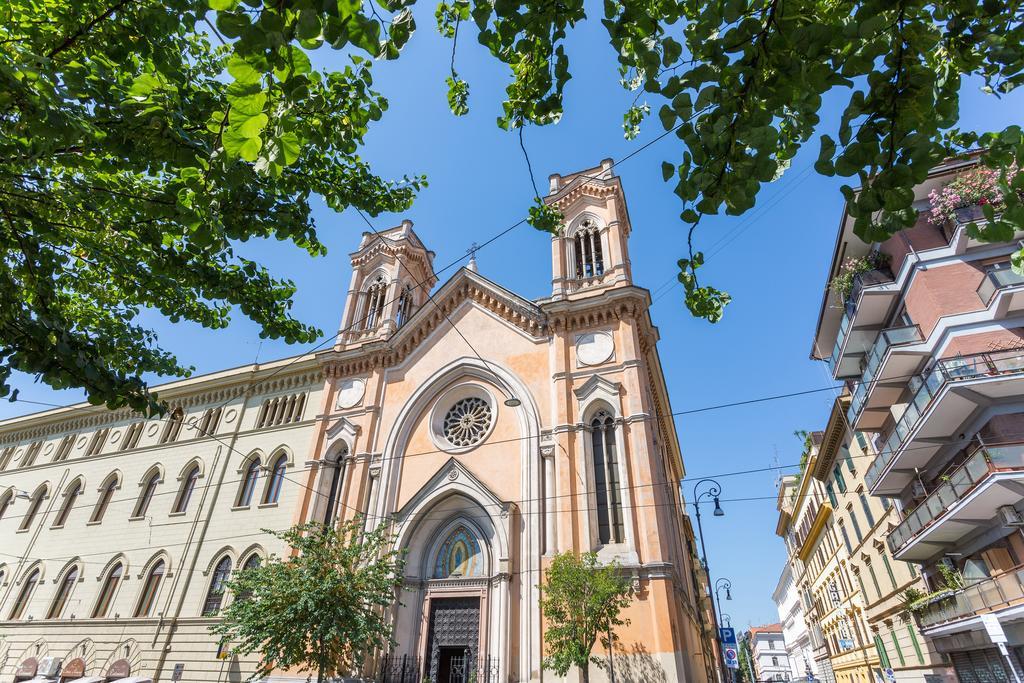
(466, 423)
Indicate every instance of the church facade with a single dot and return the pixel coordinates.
(489, 431)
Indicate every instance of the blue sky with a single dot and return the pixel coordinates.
(772, 260)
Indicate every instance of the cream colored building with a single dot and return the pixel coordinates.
(491, 430)
(864, 522)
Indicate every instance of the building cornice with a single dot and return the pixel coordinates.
(832, 439)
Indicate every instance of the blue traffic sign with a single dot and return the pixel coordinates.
(727, 636)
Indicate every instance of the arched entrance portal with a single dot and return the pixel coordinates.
(456, 604)
(454, 617)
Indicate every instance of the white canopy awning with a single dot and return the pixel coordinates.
(89, 679)
(135, 679)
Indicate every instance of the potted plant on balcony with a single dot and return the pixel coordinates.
(842, 284)
(963, 199)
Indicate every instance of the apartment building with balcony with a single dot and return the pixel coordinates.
(834, 605)
(931, 343)
(863, 522)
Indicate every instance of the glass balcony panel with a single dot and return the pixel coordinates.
(996, 280)
(934, 506)
(1006, 456)
(948, 493)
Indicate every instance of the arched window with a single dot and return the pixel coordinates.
(252, 475)
(132, 434)
(63, 593)
(99, 439)
(606, 479)
(5, 502)
(459, 555)
(33, 507)
(276, 479)
(108, 591)
(375, 296)
(64, 449)
(150, 590)
(173, 426)
(25, 595)
(215, 595)
(587, 251)
(251, 562)
(31, 453)
(404, 306)
(146, 497)
(334, 476)
(105, 495)
(5, 457)
(208, 424)
(69, 502)
(188, 485)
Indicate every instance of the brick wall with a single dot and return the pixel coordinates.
(941, 291)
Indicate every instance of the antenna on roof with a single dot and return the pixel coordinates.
(473, 248)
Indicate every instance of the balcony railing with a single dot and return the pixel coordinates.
(894, 336)
(996, 280)
(991, 594)
(860, 281)
(958, 484)
(957, 369)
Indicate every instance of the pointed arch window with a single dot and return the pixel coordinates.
(31, 453)
(108, 591)
(5, 502)
(150, 590)
(404, 306)
(252, 475)
(335, 475)
(215, 595)
(209, 422)
(5, 457)
(64, 449)
(610, 527)
(588, 253)
(63, 593)
(33, 507)
(146, 497)
(132, 435)
(252, 562)
(25, 595)
(72, 494)
(99, 439)
(104, 502)
(375, 296)
(173, 426)
(273, 491)
(188, 486)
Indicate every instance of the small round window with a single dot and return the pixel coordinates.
(466, 423)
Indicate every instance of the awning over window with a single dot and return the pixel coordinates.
(88, 679)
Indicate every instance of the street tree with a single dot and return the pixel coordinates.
(581, 603)
(140, 142)
(322, 609)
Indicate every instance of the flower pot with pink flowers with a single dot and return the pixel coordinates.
(963, 199)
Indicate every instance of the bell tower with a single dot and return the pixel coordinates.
(591, 253)
(392, 273)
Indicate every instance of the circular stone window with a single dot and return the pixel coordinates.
(462, 418)
(466, 422)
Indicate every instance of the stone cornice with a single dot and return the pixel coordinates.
(219, 388)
